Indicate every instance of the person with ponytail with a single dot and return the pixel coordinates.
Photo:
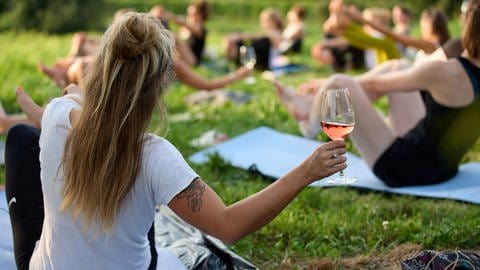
(102, 175)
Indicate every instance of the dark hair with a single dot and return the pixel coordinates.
(299, 10)
(405, 11)
(471, 38)
(439, 24)
(202, 8)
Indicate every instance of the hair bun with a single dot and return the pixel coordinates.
(135, 36)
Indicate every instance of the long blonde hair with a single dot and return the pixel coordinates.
(102, 153)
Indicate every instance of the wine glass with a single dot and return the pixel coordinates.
(337, 121)
(248, 59)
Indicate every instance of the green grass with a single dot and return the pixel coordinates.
(331, 222)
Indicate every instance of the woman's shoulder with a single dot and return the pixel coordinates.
(154, 141)
(157, 145)
(58, 109)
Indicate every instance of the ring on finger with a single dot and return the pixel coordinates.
(334, 155)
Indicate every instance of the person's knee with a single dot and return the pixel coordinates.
(22, 135)
(341, 80)
(403, 64)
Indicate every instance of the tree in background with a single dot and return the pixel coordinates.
(57, 16)
(450, 7)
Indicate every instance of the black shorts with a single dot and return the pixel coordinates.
(410, 161)
(261, 46)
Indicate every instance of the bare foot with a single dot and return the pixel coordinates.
(33, 111)
(59, 77)
(297, 105)
(310, 87)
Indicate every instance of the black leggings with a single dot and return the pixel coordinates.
(24, 194)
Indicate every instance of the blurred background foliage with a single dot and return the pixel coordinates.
(63, 16)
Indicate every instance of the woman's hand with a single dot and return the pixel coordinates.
(326, 160)
(243, 72)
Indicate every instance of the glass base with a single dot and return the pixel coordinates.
(342, 181)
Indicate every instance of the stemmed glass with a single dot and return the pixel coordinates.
(248, 59)
(337, 120)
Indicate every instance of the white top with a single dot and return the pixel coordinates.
(287, 35)
(62, 245)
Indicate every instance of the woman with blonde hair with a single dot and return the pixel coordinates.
(102, 175)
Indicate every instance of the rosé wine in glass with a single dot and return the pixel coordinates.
(336, 131)
(337, 121)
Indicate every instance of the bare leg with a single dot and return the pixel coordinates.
(322, 54)
(386, 67)
(58, 75)
(78, 40)
(371, 135)
(33, 111)
(77, 70)
(7, 121)
(230, 45)
(297, 105)
(405, 110)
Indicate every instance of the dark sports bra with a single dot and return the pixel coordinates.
(451, 132)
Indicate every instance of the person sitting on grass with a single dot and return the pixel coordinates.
(65, 69)
(183, 72)
(340, 24)
(193, 32)
(265, 44)
(102, 175)
(433, 26)
(294, 32)
(419, 146)
(402, 17)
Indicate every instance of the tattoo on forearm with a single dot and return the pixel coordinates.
(193, 193)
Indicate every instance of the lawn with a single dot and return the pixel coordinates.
(333, 223)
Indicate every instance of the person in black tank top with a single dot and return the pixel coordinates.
(416, 147)
(436, 145)
(193, 33)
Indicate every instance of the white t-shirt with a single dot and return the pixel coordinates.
(62, 245)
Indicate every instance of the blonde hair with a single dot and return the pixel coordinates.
(274, 16)
(103, 150)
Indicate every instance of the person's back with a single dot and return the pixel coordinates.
(450, 129)
(293, 34)
(101, 175)
(64, 244)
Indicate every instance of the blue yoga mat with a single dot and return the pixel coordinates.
(274, 153)
(7, 260)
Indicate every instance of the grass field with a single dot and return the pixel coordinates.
(330, 223)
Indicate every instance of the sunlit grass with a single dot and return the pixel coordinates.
(332, 222)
